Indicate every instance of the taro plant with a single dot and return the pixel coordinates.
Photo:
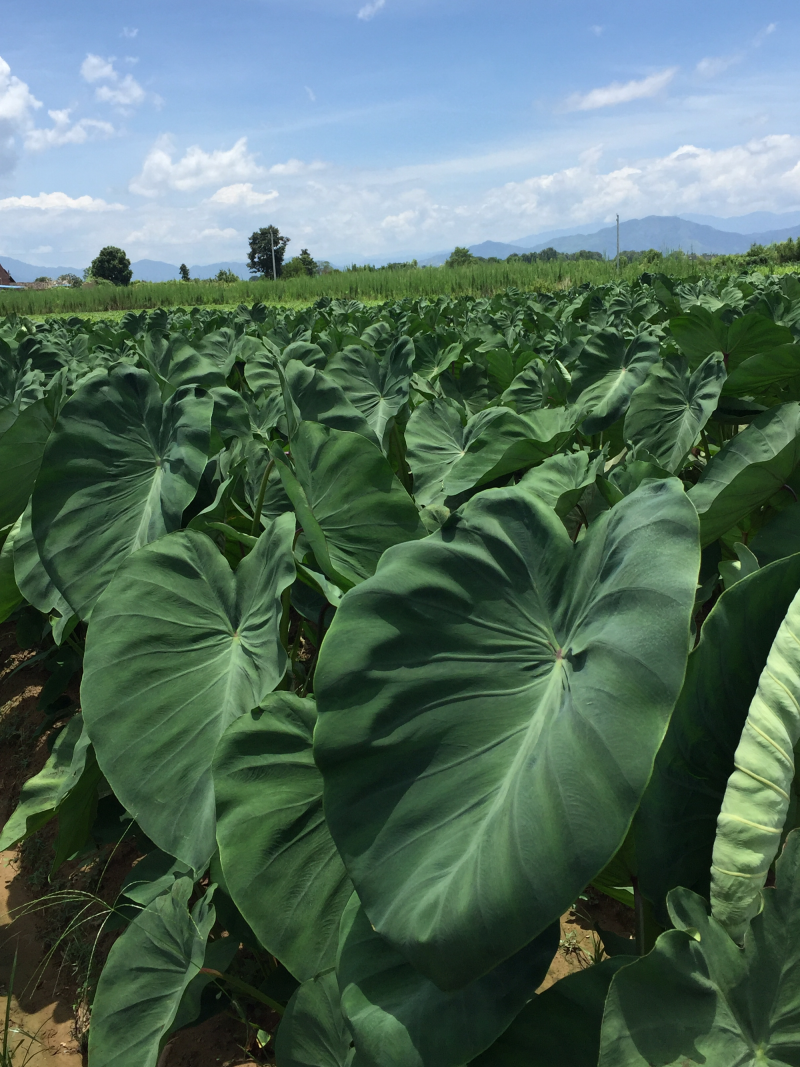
(396, 629)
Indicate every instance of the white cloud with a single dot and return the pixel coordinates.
(293, 168)
(195, 170)
(56, 203)
(762, 35)
(312, 96)
(241, 194)
(17, 107)
(129, 32)
(762, 174)
(122, 91)
(215, 232)
(126, 93)
(711, 66)
(95, 68)
(371, 9)
(596, 30)
(619, 93)
(65, 132)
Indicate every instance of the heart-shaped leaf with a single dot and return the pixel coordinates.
(700, 332)
(377, 389)
(347, 499)
(121, 464)
(669, 410)
(179, 647)
(462, 690)
(608, 371)
(145, 977)
(698, 998)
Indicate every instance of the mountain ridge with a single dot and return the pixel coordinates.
(665, 233)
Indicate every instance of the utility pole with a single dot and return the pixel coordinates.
(617, 244)
(272, 244)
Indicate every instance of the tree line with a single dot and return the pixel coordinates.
(267, 259)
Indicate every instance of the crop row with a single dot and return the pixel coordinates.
(398, 627)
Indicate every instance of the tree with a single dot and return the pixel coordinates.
(226, 276)
(308, 263)
(113, 265)
(43, 278)
(300, 266)
(260, 257)
(72, 280)
(184, 272)
(460, 257)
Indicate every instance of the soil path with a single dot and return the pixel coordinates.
(42, 1018)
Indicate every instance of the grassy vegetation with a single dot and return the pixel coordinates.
(481, 279)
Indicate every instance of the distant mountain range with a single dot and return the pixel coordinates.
(665, 233)
(146, 270)
(703, 234)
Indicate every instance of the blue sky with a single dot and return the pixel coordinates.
(383, 127)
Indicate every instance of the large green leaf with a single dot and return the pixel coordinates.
(313, 1032)
(347, 499)
(608, 371)
(669, 410)
(21, 450)
(280, 864)
(511, 443)
(119, 464)
(748, 471)
(700, 332)
(698, 998)
(757, 797)
(378, 389)
(319, 398)
(759, 372)
(179, 647)
(561, 480)
(145, 977)
(677, 821)
(465, 690)
(42, 795)
(528, 390)
(437, 441)
(561, 1027)
(398, 1016)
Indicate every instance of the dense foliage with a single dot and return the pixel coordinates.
(112, 265)
(267, 249)
(400, 626)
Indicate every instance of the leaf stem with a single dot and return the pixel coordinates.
(244, 987)
(262, 492)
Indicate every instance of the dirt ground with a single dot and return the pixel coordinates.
(48, 996)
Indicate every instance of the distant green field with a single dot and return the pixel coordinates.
(483, 279)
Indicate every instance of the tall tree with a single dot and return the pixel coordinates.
(184, 272)
(262, 244)
(113, 265)
(460, 257)
(300, 265)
